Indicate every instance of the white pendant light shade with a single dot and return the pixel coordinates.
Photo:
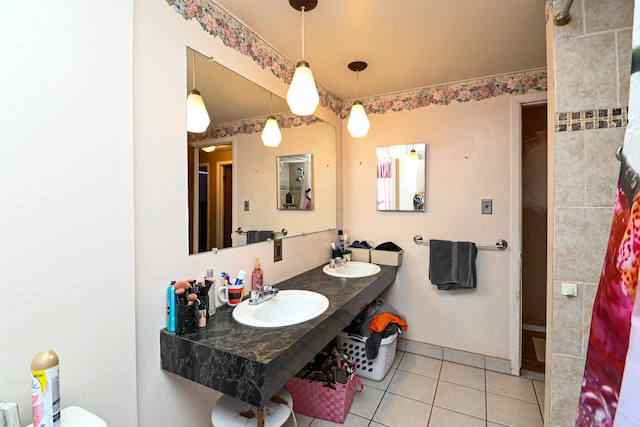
(271, 135)
(302, 95)
(209, 149)
(197, 116)
(358, 124)
(414, 159)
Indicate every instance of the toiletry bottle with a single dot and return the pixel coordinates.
(45, 389)
(257, 277)
(210, 282)
(240, 280)
(171, 307)
(340, 241)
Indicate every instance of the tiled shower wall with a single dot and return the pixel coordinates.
(592, 63)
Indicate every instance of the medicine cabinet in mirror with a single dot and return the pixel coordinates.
(401, 177)
(294, 182)
(234, 185)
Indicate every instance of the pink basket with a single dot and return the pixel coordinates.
(316, 399)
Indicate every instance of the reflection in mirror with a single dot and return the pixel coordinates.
(294, 182)
(233, 186)
(401, 177)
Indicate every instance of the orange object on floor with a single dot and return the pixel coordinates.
(380, 321)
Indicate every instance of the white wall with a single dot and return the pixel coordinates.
(469, 156)
(66, 197)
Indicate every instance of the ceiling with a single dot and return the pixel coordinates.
(407, 44)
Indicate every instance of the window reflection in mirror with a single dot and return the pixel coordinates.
(294, 182)
(401, 177)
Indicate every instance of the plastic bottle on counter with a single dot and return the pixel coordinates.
(45, 389)
(257, 277)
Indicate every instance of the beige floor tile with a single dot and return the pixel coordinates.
(441, 417)
(397, 359)
(375, 424)
(399, 411)
(413, 386)
(383, 384)
(463, 375)
(466, 400)
(512, 412)
(539, 388)
(511, 386)
(302, 421)
(365, 403)
(420, 365)
(351, 420)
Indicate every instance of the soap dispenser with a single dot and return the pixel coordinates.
(257, 277)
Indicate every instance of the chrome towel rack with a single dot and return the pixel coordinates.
(501, 244)
(283, 232)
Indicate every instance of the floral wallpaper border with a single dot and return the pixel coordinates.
(219, 23)
(252, 125)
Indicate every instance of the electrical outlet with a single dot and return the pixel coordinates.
(487, 206)
(246, 206)
(277, 250)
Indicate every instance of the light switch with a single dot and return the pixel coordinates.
(569, 289)
(487, 206)
(246, 206)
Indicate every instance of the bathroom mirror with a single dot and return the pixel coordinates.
(401, 178)
(294, 182)
(232, 187)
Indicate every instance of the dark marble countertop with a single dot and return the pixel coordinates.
(251, 363)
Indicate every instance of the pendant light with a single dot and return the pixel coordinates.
(358, 124)
(414, 159)
(271, 135)
(302, 95)
(197, 116)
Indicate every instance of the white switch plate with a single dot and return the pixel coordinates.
(569, 289)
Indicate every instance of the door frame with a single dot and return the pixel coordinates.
(515, 291)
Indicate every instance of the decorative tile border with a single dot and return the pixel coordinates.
(253, 125)
(604, 118)
(219, 23)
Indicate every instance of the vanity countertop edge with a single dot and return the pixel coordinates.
(252, 364)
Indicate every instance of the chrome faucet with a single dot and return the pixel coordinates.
(337, 262)
(258, 296)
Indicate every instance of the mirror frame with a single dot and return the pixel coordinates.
(281, 204)
(395, 158)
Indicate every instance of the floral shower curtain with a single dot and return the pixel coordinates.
(611, 382)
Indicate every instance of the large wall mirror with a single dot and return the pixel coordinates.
(233, 186)
(401, 177)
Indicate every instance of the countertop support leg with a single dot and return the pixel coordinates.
(261, 416)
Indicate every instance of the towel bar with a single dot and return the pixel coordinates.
(500, 244)
(284, 231)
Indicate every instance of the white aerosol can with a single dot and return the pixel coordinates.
(45, 389)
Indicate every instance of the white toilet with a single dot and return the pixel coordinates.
(226, 412)
(75, 416)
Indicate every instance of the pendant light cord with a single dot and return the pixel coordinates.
(193, 69)
(302, 11)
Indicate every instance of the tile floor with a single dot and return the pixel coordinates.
(421, 391)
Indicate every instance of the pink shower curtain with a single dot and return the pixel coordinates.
(611, 382)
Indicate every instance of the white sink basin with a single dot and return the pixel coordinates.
(352, 269)
(289, 307)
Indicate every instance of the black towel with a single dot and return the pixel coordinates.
(254, 236)
(452, 265)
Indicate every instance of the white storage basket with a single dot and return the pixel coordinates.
(376, 369)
